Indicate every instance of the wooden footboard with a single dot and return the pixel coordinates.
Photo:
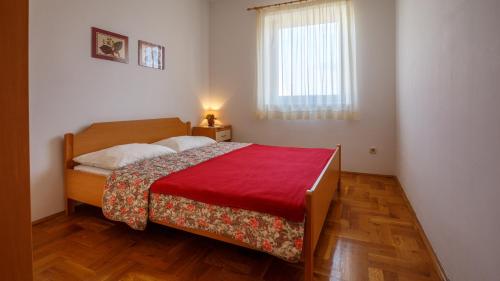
(318, 200)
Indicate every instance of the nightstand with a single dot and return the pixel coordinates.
(218, 133)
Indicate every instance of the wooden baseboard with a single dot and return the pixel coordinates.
(436, 264)
(367, 174)
(42, 220)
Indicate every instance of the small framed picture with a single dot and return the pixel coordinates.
(109, 46)
(151, 55)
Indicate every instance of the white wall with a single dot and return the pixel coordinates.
(449, 128)
(232, 79)
(70, 90)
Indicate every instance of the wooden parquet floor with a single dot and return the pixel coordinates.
(369, 235)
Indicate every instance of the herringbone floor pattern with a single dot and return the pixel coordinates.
(370, 235)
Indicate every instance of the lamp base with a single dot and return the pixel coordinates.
(211, 122)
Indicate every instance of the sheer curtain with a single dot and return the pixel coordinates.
(306, 61)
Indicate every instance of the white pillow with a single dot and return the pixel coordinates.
(122, 155)
(182, 143)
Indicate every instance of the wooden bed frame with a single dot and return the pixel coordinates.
(89, 188)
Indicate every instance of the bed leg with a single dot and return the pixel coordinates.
(309, 265)
(308, 242)
(339, 183)
(70, 207)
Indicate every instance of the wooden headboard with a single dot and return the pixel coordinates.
(103, 135)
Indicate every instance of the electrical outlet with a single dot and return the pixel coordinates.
(373, 150)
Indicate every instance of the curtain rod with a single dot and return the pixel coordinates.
(276, 5)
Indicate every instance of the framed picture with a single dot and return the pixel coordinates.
(151, 55)
(109, 46)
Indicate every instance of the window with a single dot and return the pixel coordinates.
(288, 67)
(306, 63)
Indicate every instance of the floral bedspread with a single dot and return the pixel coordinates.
(127, 199)
(268, 233)
(126, 194)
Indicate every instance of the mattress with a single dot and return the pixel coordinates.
(93, 170)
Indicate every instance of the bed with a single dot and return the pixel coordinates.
(90, 186)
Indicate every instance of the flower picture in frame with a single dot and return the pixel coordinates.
(109, 46)
(151, 55)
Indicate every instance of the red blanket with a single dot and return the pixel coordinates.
(259, 178)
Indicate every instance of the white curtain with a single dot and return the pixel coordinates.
(306, 61)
